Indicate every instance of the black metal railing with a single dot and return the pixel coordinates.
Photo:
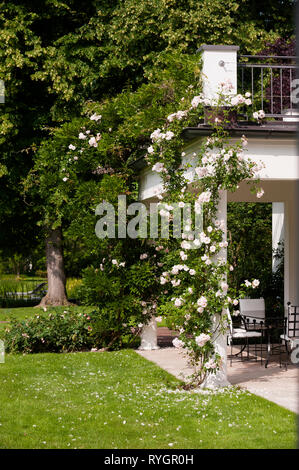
(271, 82)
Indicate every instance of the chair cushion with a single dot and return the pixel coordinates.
(239, 333)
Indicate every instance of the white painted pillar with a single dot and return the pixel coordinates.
(277, 229)
(291, 261)
(219, 379)
(149, 336)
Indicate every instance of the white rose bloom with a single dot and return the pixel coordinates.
(201, 171)
(92, 142)
(178, 302)
(224, 286)
(261, 114)
(177, 343)
(95, 117)
(72, 147)
(202, 302)
(156, 135)
(210, 364)
(260, 193)
(158, 167)
(186, 245)
(171, 117)
(164, 213)
(234, 101)
(196, 101)
(169, 135)
(204, 197)
(183, 255)
(202, 339)
(181, 114)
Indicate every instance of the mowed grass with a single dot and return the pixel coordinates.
(119, 400)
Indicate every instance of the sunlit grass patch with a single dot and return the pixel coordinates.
(120, 400)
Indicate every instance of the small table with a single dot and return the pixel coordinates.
(267, 327)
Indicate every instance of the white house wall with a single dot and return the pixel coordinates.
(280, 181)
(279, 156)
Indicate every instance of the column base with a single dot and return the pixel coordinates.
(148, 348)
(149, 336)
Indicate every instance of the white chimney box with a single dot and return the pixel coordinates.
(219, 65)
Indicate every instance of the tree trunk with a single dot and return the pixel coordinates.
(56, 294)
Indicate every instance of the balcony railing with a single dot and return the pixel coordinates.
(270, 80)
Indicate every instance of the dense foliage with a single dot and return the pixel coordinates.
(94, 91)
(53, 332)
(59, 56)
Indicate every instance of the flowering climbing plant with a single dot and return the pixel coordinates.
(196, 297)
(87, 161)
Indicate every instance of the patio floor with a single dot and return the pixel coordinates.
(273, 383)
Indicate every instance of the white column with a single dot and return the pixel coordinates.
(277, 229)
(219, 379)
(291, 261)
(149, 336)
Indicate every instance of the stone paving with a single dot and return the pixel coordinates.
(274, 383)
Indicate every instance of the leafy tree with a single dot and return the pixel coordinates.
(68, 56)
(281, 83)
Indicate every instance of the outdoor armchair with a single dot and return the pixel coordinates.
(253, 312)
(238, 331)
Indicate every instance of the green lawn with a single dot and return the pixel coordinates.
(120, 400)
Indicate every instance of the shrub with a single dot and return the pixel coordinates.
(54, 332)
(125, 295)
(70, 331)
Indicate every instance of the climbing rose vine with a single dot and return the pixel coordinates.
(195, 296)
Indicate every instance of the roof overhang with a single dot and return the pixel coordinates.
(278, 130)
